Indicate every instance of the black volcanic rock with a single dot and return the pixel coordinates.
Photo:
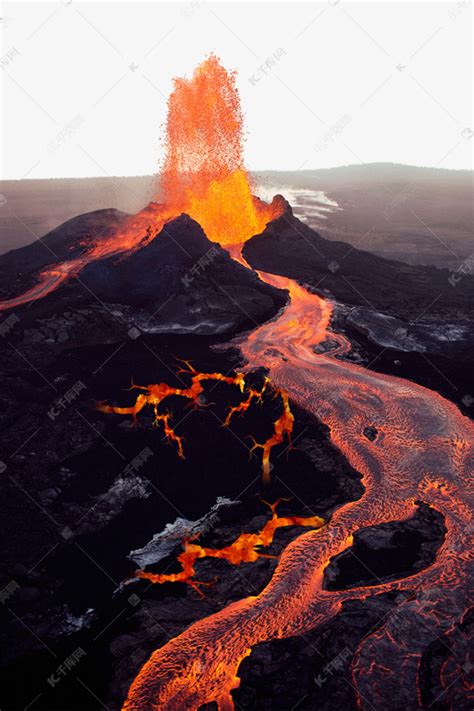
(181, 260)
(370, 432)
(19, 267)
(290, 248)
(387, 551)
(180, 282)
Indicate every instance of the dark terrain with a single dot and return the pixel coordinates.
(73, 512)
(407, 213)
(179, 283)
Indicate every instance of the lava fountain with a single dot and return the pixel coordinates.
(203, 175)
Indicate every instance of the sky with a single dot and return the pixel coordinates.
(85, 84)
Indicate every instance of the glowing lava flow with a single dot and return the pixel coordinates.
(153, 395)
(283, 427)
(137, 231)
(245, 549)
(203, 175)
(423, 451)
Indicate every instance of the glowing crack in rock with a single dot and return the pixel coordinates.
(283, 427)
(153, 395)
(245, 549)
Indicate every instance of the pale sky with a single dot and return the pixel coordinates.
(84, 84)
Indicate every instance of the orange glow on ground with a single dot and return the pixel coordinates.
(245, 549)
(283, 427)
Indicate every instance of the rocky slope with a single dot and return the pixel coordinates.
(180, 283)
(416, 300)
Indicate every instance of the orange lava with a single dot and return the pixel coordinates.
(245, 549)
(283, 428)
(153, 395)
(203, 175)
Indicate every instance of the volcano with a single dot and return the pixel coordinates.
(181, 282)
(272, 426)
(178, 282)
